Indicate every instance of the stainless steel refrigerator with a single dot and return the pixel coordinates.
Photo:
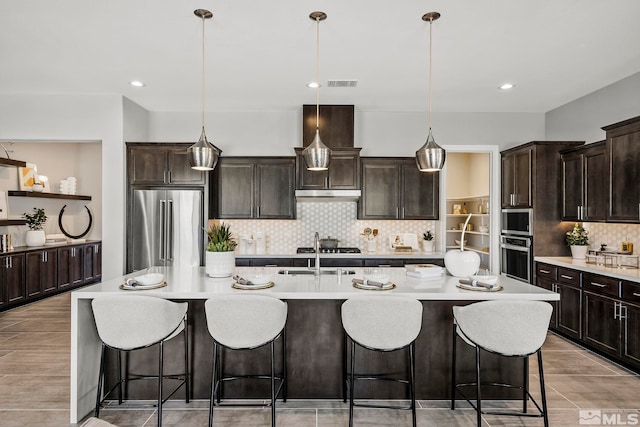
(165, 228)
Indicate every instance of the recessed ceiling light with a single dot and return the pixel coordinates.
(507, 86)
(136, 83)
(313, 85)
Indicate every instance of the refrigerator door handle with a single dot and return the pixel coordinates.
(163, 231)
(170, 230)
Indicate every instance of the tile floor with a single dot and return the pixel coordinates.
(34, 387)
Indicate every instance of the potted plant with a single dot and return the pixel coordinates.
(578, 240)
(428, 237)
(35, 235)
(220, 260)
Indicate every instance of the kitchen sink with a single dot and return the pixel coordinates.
(322, 271)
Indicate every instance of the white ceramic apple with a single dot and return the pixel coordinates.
(461, 263)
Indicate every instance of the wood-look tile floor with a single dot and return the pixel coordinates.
(34, 386)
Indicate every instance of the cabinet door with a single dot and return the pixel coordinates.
(310, 180)
(49, 276)
(89, 271)
(147, 165)
(234, 189)
(625, 174)
(569, 310)
(548, 285)
(344, 170)
(34, 261)
(420, 193)
(522, 176)
(70, 264)
(275, 189)
(601, 328)
(179, 168)
(631, 334)
(572, 189)
(596, 184)
(508, 180)
(380, 190)
(12, 280)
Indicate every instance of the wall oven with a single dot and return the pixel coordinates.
(516, 254)
(517, 222)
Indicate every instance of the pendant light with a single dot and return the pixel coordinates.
(317, 155)
(430, 157)
(203, 155)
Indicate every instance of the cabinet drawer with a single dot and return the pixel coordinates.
(569, 276)
(601, 284)
(546, 271)
(631, 291)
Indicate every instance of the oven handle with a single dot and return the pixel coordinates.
(515, 247)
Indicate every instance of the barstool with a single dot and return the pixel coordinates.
(246, 322)
(506, 328)
(127, 323)
(382, 324)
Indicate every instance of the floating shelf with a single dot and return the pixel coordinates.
(48, 195)
(468, 232)
(469, 248)
(466, 215)
(4, 222)
(11, 162)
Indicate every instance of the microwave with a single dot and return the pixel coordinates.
(517, 222)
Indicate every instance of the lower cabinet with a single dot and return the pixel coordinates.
(602, 323)
(92, 262)
(71, 262)
(12, 283)
(41, 272)
(569, 318)
(550, 286)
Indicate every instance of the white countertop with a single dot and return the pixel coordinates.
(631, 274)
(402, 255)
(195, 284)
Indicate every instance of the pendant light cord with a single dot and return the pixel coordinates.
(318, 73)
(203, 87)
(430, 72)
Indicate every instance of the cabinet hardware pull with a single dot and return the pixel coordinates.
(10, 262)
(615, 311)
(271, 265)
(403, 212)
(544, 271)
(258, 211)
(635, 294)
(600, 285)
(623, 312)
(169, 175)
(566, 277)
(384, 265)
(328, 182)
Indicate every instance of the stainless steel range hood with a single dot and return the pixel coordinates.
(328, 195)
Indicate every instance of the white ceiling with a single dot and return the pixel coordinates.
(261, 54)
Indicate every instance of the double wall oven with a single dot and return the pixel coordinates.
(516, 244)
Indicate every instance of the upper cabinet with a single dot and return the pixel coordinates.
(253, 188)
(623, 150)
(343, 172)
(516, 178)
(394, 188)
(585, 183)
(161, 164)
(336, 125)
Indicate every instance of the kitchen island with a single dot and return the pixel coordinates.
(315, 339)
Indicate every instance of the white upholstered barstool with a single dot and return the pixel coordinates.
(246, 322)
(506, 328)
(126, 323)
(381, 323)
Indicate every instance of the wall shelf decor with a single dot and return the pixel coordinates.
(6, 222)
(11, 162)
(48, 195)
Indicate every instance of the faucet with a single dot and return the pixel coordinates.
(316, 248)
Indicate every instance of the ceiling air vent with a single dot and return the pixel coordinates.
(343, 83)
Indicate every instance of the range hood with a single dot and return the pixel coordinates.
(328, 195)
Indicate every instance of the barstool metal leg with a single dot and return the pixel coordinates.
(453, 369)
(213, 383)
(100, 382)
(273, 384)
(344, 369)
(160, 374)
(187, 378)
(218, 361)
(412, 387)
(284, 364)
(352, 382)
(525, 384)
(478, 397)
(119, 377)
(543, 394)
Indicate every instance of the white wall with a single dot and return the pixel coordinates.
(581, 120)
(79, 118)
(135, 122)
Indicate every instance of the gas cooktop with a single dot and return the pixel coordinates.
(329, 251)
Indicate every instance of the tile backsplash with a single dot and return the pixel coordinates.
(330, 219)
(613, 235)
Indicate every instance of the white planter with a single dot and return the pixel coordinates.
(428, 245)
(220, 264)
(34, 238)
(579, 252)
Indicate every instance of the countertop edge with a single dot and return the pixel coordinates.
(632, 275)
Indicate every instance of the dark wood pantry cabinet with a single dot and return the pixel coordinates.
(161, 164)
(394, 188)
(516, 178)
(41, 272)
(343, 172)
(12, 283)
(253, 188)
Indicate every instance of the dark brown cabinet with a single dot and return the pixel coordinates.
(12, 283)
(601, 323)
(568, 311)
(550, 286)
(41, 272)
(516, 178)
(253, 188)
(336, 125)
(92, 262)
(396, 189)
(585, 183)
(623, 142)
(343, 172)
(161, 164)
(70, 266)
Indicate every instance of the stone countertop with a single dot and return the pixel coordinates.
(193, 283)
(631, 274)
(399, 255)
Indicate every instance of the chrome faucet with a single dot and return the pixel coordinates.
(316, 248)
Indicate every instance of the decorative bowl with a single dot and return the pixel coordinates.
(489, 280)
(258, 278)
(150, 279)
(457, 242)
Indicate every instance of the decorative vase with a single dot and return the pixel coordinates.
(579, 252)
(461, 263)
(220, 264)
(428, 246)
(35, 238)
